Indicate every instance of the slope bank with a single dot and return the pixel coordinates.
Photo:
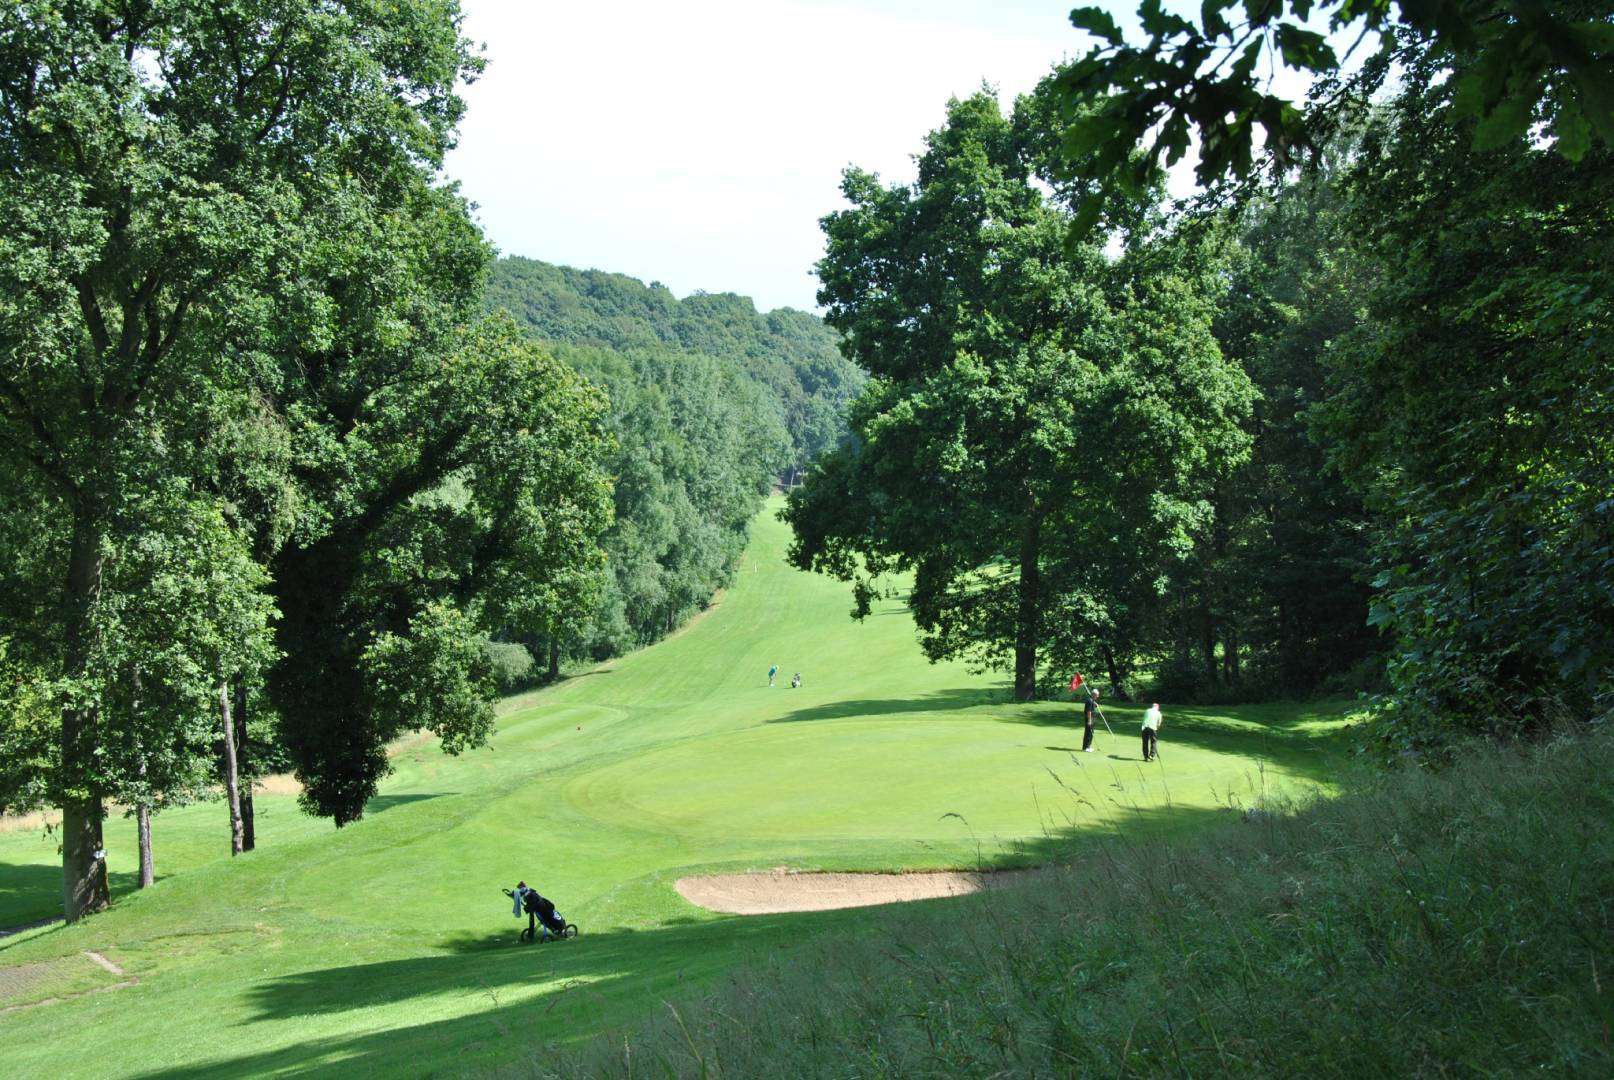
(1419, 925)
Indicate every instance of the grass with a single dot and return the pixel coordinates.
(385, 948)
(1457, 924)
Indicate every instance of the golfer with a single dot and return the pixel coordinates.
(773, 673)
(1089, 714)
(1151, 732)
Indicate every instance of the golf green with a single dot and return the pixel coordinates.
(386, 947)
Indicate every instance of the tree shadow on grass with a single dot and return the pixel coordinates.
(30, 892)
(1313, 755)
(1279, 734)
(595, 983)
(938, 701)
(380, 804)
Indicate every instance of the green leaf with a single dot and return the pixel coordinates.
(1087, 215)
(1260, 12)
(1211, 18)
(1574, 131)
(1161, 23)
(1305, 49)
(1098, 22)
(1506, 123)
(1245, 64)
(1597, 97)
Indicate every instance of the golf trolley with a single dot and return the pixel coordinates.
(544, 923)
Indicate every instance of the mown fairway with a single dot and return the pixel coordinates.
(386, 947)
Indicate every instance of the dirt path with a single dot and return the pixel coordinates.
(777, 891)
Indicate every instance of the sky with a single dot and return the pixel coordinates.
(698, 143)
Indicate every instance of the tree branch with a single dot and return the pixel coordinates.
(91, 309)
(53, 470)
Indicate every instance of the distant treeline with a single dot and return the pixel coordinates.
(791, 354)
(711, 403)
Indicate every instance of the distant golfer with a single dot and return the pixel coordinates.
(1089, 714)
(773, 673)
(795, 681)
(1151, 732)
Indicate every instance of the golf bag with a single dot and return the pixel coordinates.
(547, 915)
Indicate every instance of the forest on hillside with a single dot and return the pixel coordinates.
(790, 354)
(710, 404)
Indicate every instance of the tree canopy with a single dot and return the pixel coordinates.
(1040, 423)
(239, 333)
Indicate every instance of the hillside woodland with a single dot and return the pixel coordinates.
(711, 404)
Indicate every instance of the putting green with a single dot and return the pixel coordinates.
(385, 947)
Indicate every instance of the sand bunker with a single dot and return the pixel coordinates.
(776, 891)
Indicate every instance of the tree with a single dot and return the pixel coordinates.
(1472, 408)
(457, 491)
(1162, 415)
(1513, 65)
(156, 161)
(182, 602)
(1018, 387)
(1279, 582)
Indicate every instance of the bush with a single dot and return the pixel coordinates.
(512, 666)
(1421, 924)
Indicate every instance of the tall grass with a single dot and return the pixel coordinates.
(1454, 923)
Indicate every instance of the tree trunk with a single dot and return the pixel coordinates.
(1117, 676)
(84, 877)
(1026, 618)
(84, 880)
(1207, 641)
(148, 872)
(232, 789)
(554, 660)
(249, 837)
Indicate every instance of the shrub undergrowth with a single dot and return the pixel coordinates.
(1458, 922)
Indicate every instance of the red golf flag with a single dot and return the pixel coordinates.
(1076, 681)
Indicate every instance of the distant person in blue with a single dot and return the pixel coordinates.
(773, 673)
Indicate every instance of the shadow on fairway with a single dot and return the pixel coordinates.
(33, 891)
(380, 804)
(496, 961)
(1314, 755)
(595, 980)
(938, 701)
(601, 980)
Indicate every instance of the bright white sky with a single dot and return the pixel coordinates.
(698, 143)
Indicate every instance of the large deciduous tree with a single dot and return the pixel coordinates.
(462, 492)
(161, 165)
(1028, 402)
